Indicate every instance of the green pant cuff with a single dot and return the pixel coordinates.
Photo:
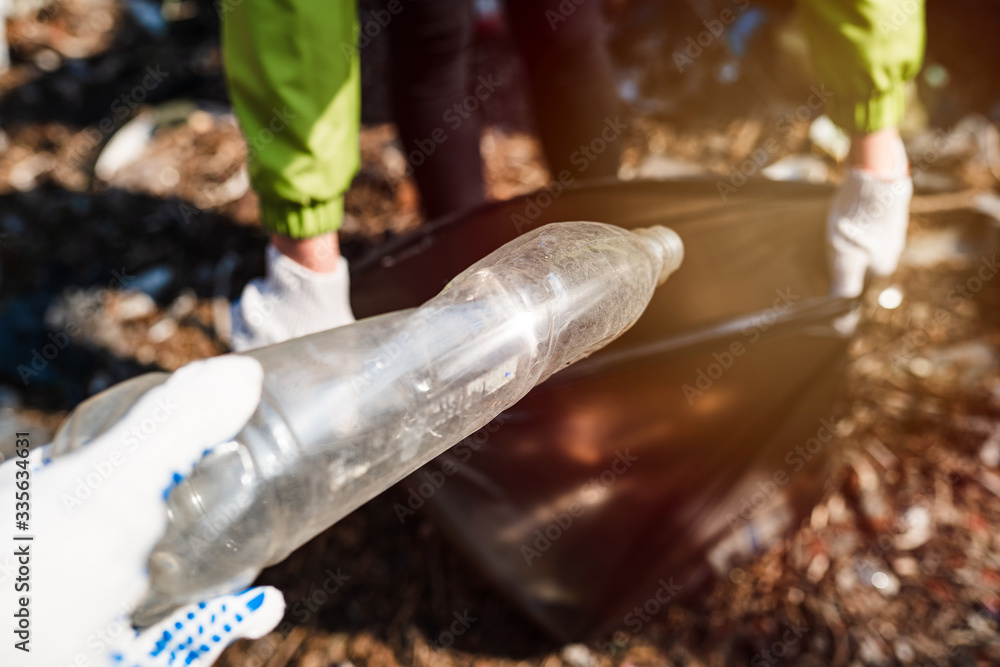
(883, 109)
(300, 221)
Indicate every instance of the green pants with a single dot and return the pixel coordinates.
(294, 80)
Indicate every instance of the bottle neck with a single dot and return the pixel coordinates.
(668, 248)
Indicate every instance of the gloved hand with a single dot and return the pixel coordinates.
(289, 302)
(866, 226)
(197, 634)
(95, 515)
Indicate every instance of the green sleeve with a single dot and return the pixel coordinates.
(295, 84)
(865, 51)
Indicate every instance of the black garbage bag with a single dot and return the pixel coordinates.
(625, 480)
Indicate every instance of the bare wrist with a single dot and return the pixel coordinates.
(317, 253)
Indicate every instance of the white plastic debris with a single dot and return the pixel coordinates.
(798, 168)
(126, 146)
(661, 167)
(919, 527)
(135, 305)
(826, 136)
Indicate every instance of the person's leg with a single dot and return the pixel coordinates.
(865, 52)
(573, 92)
(436, 111)
(294, 78)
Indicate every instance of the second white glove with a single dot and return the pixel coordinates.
(289, 302)
(866, 228)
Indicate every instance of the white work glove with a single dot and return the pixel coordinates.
(95, 515)
(866, 227)
(197, 634)
(289, 302)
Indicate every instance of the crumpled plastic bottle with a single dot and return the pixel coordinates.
(347, 413)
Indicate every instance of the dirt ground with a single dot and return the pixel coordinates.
(899, 563)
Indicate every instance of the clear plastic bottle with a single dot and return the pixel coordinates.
(347, 413)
